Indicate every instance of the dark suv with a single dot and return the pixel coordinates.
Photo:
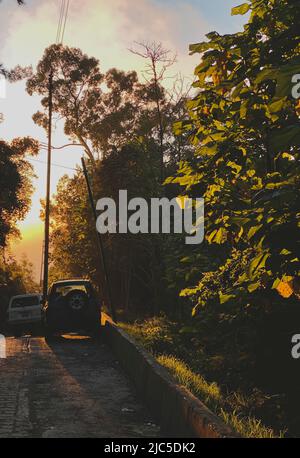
(72, 306)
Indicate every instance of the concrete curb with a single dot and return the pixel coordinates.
(179, 413)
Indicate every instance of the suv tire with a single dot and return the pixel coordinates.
(76, 300)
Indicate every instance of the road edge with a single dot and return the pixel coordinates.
(178, 411)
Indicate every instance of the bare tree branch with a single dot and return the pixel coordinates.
(159, 60)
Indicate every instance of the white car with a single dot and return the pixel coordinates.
(24, 311)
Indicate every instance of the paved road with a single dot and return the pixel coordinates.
(67, 387)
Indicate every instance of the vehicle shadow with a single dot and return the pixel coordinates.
(93, 368)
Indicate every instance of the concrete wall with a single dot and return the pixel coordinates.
(179, 413)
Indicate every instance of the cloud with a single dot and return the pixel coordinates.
(103, 29)
(112, 28)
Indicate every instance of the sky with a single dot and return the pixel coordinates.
(103, 29)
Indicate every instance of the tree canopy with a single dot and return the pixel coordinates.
(102, 112)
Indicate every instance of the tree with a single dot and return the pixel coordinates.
(99, 120)
(244, 124)
(15, 192)
(114, 117)
(16, 187)
(159, 61)
(16, 277)
(73, 232)
(101, 112)
(76, 81)
(133, 260)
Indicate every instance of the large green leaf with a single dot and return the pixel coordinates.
(241, 9)
(201, 47)
(225, 297)
(257, 263)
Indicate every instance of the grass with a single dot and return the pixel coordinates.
(195, 383)
(154, 336)
(210, 394)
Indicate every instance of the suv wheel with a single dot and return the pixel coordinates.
(76, 300)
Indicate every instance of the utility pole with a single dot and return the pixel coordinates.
(100, 243)
(42, 265)
(47, 209)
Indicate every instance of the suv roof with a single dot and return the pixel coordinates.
(72, 280)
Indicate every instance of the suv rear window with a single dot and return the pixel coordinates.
(63, 289)
(25, 302)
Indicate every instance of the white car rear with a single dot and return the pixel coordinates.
(25, 309)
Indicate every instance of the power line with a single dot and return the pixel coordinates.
(63, 16)
(44, 146)
(62, 7)
(66, 17)
(52, 164)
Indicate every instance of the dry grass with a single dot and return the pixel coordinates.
(209, 393)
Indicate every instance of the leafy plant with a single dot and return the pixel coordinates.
(244, 124)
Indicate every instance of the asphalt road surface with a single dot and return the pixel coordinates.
(67, 387)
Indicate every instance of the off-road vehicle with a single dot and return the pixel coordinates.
(72, 306)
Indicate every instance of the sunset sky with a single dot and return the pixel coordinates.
(104, 29)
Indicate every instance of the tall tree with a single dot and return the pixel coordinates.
(76, 81)
(101, 112)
